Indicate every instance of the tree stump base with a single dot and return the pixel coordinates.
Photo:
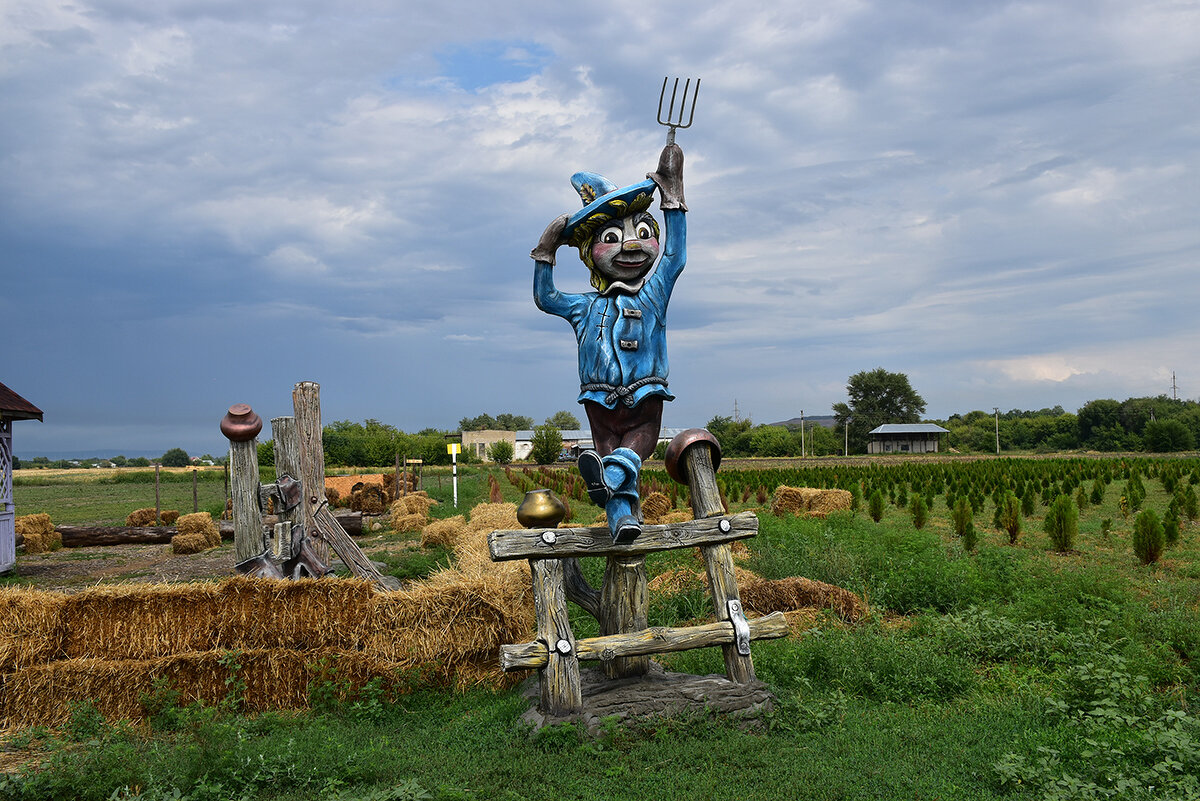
(656, 694)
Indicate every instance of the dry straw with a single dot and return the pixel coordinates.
(38, 533)
(196, 533)
(145, 517)
(655, 507)
(31, 627)
(812, 502)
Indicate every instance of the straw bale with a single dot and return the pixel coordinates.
(739, 550)
(306, 614)
(140, 517)
(31, 627)
(443, 532)
(411, 513)
(490, 517)
(404, 522)
(184, 544)
(678, 516)
(169, 516)
(200, 523)
(140, 621)
(806, 500)
(655, 506)
(415, 502)
(796, 592)
(38, 532)
(369, 499)
(332, 495)
(676, 581)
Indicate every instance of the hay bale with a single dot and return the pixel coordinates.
(490, 517)
(370, 499)
(200, 523)
(38, 533)
(806, 500)
(416, 502)
(185, 544)
(655, 506)
(676, 581)
(140, 621)
(308, 614)
(169, 516)
(796, 592)
(677, 516)
(31, 627)
(140, 517)
(332, 495)
(443, 533)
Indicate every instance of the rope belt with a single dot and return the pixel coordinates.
(625, 394)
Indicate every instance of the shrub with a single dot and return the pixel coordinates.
(961, 518)
(1062, 523)
(875, 505)
(547, 445)
(501, 451)
(920, 512)
(1148, 537)
(1010, 516)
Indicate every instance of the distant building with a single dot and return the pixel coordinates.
(574, 441)
(905, 438)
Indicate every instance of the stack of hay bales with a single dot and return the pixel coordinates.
(411, 513)
(370, 499)
(109, 644)
(145, 517)
(655, 507)
(809, 501)
(38, 532)
(196, 533)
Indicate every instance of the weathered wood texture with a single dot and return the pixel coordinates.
(578, 589)
(319, 523)
(86, 536)
(248, 539)
(560, 689)
(718, 563)
(702, 482)
(659, 639)
(623, 609)
(287, 463)
(532, 544)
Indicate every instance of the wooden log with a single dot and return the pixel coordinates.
(319, 523)
(718, 563)
(702, 481)
(87, 536)
(287, 463)
(623, 609)
(578, 589)
(540, 543)
(561, 692)
(656, 640)
(247, 517)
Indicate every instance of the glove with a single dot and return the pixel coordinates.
(551, 239)
(669, 178)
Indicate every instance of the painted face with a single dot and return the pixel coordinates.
(625, 249)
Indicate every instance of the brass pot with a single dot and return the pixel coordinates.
(541, 509)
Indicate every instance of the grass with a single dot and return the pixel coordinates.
(1012, 671)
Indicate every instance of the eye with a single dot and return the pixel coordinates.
(644, 231)
(611, 236)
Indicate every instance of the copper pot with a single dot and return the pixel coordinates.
(541, 509)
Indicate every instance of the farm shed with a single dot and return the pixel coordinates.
(905, 438)
(573, 440)
(12, 407)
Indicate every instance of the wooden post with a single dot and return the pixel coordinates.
(396, 483)
(319, 523)
(157, 498)
(287, 462)
(241, 426)
(561, 692)
(718, 559)
(623, 610)
(195, 495)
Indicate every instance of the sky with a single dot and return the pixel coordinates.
(203, 202)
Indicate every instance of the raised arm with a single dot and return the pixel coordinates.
(669, 178)
(545, 295)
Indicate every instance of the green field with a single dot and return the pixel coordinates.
(1009, 671)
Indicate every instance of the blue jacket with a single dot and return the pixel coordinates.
(622, 338)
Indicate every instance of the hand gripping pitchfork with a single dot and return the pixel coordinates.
(673, 121)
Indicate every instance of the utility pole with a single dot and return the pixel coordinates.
(996, 409)
(735, 411)
(801, 433)
(1174, 387)
(846, 447)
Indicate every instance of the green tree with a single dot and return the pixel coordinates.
(547, 445)
(176, 457)
(563, 421)
(1148, 537)
(1062, 523)
(1167, 436)
(266, 453)
(1009, 514)
(877, 397)
(500, 451)
(962, 518)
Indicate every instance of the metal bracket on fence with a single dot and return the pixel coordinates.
(741, 629)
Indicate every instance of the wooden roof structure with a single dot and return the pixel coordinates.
(14, 407)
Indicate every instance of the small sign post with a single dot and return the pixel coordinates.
(453, 448)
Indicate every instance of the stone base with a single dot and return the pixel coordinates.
(658, 694)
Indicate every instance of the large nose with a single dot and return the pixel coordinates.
(631, 244)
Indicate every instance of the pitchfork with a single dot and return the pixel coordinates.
(672, 121)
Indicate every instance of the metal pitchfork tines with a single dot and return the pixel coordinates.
(673, 120)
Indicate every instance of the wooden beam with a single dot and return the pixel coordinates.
(533, 543)
(656, 640)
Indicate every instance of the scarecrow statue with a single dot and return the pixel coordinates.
(620, 327)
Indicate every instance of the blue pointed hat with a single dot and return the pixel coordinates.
(602, 202)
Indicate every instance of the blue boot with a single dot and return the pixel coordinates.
(612, 482)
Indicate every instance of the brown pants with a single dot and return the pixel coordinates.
(623, 427)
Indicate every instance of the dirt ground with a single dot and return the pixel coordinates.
(74, 569)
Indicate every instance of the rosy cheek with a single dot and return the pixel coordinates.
(601, 249)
